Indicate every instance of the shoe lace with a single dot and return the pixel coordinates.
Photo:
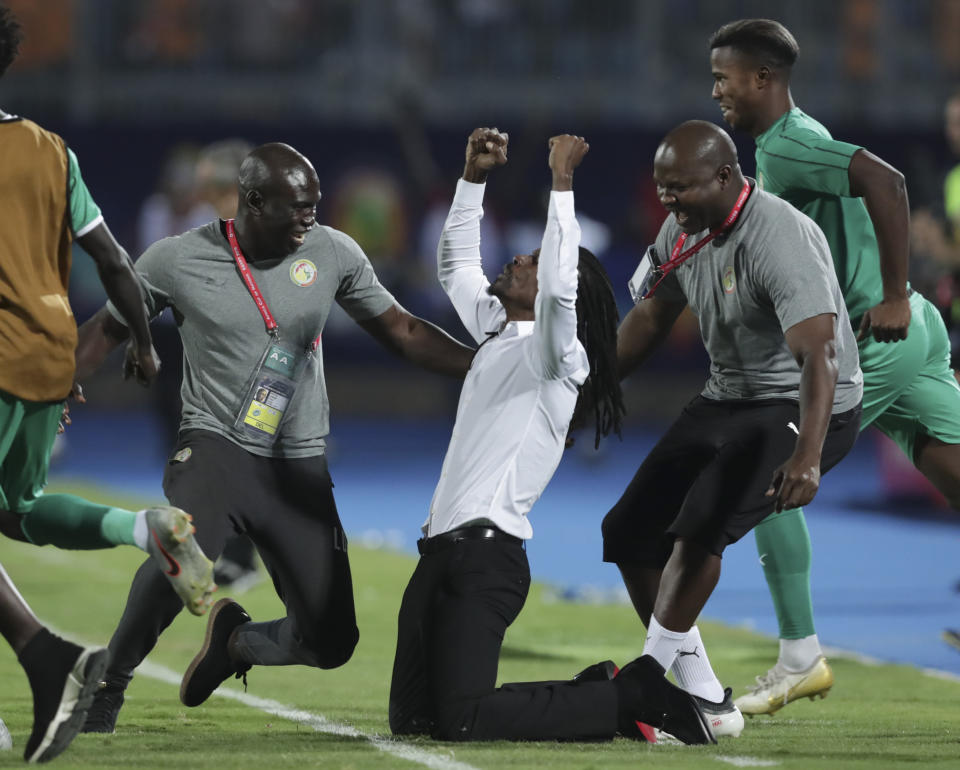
(242, 675)
(768, 681)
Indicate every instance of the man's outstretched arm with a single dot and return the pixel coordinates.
(420, 342)
(557, 277)
(459, 266)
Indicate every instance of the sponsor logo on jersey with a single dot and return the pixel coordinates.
(303, 272)
(729, 279)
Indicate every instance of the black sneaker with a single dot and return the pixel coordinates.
(59, 709)
(646, 698)
(212, 665)
(102, 716)
(598, 672)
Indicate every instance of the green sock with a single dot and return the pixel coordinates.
(75, 524)
(783, 543)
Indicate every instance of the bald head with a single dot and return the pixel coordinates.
(697, 174)
(279, 193)
(273, 164)
(700, 143)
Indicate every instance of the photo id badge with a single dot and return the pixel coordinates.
(268, 393)
(645, 277)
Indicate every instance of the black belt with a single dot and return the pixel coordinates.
(436, 543)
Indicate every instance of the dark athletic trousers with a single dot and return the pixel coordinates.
(286, 507)
(458, 604)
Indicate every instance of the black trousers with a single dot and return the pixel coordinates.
(707, 477)
(455, 610)
(286, 507)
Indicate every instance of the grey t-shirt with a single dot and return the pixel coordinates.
(224, 335)
(771, 271)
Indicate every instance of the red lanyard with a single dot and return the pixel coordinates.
(248, 279)
(678, 257)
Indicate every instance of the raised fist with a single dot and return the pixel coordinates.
(566, 152)
(486, 149)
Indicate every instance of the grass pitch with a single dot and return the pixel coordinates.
(875, 717)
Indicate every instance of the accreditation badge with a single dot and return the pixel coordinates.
(645, 277)
(268, 394)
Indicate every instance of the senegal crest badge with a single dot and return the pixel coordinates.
(303, 272)
(729, 279)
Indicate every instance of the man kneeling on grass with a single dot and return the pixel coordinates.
(547, 333)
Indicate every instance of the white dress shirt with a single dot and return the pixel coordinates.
(520, 392)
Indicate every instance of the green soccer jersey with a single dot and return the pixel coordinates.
(799, 161)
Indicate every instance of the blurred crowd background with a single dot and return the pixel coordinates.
(162, 98)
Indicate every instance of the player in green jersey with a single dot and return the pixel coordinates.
(45, 207)
(910, 394)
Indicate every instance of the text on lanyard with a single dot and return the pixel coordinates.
(248, 279)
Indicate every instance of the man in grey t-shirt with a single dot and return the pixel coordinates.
(250, 297)
(781, 406)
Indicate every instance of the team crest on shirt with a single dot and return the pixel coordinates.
(183, 455)
(729, 279)
(303, 272)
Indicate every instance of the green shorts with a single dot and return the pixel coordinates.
(908, 387)
(27, 432)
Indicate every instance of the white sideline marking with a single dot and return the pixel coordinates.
(317, 721)
(748, 761)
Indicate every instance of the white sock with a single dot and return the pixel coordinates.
(662, 643)
(693, 671)
(798, 655)
(141, 533)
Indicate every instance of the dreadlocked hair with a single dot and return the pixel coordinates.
(597, 319)
(10, 37)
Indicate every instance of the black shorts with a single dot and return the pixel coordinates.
(707, 477)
